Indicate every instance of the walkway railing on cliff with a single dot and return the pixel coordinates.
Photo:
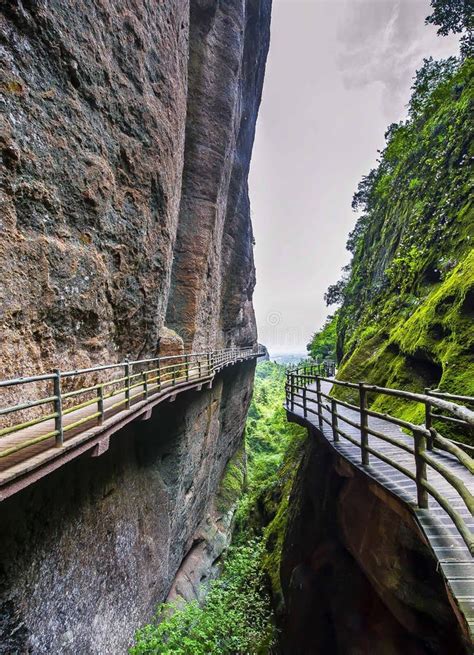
(412, 457)
(65, 402)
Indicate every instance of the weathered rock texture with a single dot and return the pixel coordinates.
(126, 134)
(94, 99)
(356, 573)
(107, 108)
(87, 552)
(214, 240)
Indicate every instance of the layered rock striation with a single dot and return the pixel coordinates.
(126, 135)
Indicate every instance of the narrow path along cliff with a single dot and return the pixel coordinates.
(167, 487)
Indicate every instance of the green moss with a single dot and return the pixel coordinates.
(232, 482)
(276, 501)
(406, 318)
(430, 348)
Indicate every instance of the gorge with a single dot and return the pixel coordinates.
(199, 507)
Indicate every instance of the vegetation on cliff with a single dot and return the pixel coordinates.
(237, 615)
(324, 341)
(274, 448)
(407, 296)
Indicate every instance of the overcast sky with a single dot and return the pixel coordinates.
(338, 73)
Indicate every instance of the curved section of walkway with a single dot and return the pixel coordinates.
(395, 470)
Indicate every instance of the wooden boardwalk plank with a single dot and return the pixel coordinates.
(448, 546)
(30, 457)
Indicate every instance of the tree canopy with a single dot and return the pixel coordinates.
(456, 16)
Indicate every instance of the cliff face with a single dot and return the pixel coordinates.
(93, 142)
(110, 109)
(87, 552)
(126, 137)
(406, 315)
(213, 261)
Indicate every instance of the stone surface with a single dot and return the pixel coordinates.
(130, 101)
(87, 552)
(213, 265)
(356, 573)
(169, 343)
(94, 105)
(126, 133)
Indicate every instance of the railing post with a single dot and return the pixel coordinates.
(305, 411)
(58, 409)
(320, 402)
(428, 419)
(145, 384)
(186, 363)
(100, 403)
(127, 385)
(335, 434)
(364, 421)
(292, 377)
(158, 376)
(209, 363)
(420, 449)
(199, 369)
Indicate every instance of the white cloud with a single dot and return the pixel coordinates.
(384, 42)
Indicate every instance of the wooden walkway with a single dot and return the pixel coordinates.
(455, 561)
(22, 464)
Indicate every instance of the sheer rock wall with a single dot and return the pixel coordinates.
(87, 552)
(126, 133)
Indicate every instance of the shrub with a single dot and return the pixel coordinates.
(235, 618)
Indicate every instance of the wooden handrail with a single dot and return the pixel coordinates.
(308, 377)
(134, 385)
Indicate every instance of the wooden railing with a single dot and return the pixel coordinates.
(106, 389)
(304, 391)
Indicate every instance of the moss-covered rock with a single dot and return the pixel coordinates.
(276, 505)
(407, 313)
(232, 482)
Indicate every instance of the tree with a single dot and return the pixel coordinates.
(361, 198)
(357, 233)
(427, 79)
(323, 343)
(456, 16)
(335, 293)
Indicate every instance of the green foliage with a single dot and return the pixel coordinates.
(335, 293)
(274, 450)
(235, 618)
(455, 16)
(403, 270)
(427, 79)
(232, 482)
(406, 315)
(323, 343)
(268, 433)
(417, 213)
